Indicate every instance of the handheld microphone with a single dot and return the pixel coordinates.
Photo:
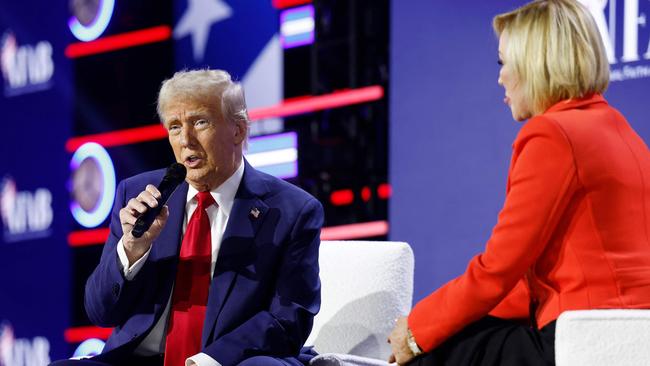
(174, 176)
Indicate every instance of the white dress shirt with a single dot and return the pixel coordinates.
(224, 196)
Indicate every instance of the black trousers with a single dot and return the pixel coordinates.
(494, 342)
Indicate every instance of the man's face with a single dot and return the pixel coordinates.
(208, 146)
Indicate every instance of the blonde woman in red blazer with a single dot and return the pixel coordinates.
(574, 232)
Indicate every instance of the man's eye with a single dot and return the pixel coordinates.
(174, 128)
(201, 122)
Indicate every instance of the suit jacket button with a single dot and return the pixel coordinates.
(116, 289)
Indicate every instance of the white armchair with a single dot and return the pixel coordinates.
(603, 338)
(366, 285)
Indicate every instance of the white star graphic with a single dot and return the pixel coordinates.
(197, 21)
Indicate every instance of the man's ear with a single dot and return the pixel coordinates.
(240, 132)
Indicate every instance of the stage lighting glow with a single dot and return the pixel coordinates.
(95, 29)
(92, 201)
(297, 26)
(275, 154)
(89, 347)
(355, 231)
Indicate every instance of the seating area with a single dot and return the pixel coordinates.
(366, 285)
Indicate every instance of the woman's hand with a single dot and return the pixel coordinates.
(398, 339)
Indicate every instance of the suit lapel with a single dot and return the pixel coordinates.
(237, 245)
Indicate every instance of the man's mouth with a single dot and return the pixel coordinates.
(192, 161)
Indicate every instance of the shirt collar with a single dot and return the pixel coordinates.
(577, 103)
(224, 195)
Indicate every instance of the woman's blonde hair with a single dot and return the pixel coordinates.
(556, 50)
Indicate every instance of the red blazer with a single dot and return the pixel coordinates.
(574, 232)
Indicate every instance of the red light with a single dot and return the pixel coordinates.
(119, 41)
(342, 197)
(365, 194)
(283, 4)
(319, 103)
(88, 237)
(355, 231)
(80, 334)
(384, 191)
(120, 137)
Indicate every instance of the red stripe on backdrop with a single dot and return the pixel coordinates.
(320, 102)
(355, 231)
(119, 137)
(283, 4)
(80, 334)
(83, 238)
(119, 41)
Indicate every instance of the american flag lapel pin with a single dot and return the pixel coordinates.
(255, 212)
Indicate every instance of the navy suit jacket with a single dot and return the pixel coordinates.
(265, 290)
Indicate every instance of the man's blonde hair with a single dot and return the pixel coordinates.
(556, 50)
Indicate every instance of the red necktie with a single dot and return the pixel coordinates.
(191, 287)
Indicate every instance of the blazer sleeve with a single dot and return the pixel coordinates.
(542, 180)
(284, 327)
(109, 296)
(515, 306)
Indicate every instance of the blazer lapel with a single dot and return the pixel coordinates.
(237, 245)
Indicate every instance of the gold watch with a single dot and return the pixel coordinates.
(413, 346)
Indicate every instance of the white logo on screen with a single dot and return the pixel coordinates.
(22, 351)
(635, 36)
(25, 68)
(25, 215)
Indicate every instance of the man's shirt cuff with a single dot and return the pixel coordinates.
(201, 359)
(130, 272)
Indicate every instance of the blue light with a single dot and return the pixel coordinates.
(98, 25)
(89, 347)
(272, 142)
(95, 151)
(282, 171)
(297, 26)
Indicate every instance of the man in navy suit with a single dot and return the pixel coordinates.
(262, 287)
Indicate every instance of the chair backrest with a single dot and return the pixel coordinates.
(365, 286)
(618, 337)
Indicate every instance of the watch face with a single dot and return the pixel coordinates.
(87, 184)
(86, 11)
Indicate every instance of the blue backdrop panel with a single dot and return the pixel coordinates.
(222, 34)
(34, 99)
(451, 134)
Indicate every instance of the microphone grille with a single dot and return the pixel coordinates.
(176, 172)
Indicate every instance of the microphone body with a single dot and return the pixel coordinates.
(174, 176)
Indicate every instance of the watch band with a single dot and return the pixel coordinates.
(413, 346)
